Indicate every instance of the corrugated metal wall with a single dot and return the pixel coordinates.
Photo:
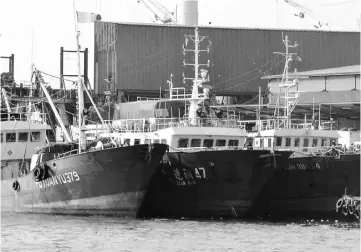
(144, 56)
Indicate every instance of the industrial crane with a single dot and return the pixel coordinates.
(306, 11)
(160, 12)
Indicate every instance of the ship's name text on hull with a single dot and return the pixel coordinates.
(64, 178)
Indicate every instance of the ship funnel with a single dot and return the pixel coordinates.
(189, 12)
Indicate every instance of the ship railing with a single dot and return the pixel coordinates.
(147, 99)
(305, 150)
(69, 153)
(162, 123)
(35, 117)
(194, 149)
(154, 124)
(271, 124)
(182, 94)
(64, 94)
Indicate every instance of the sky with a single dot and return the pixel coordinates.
(34, 30)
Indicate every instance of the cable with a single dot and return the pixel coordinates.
(257, 68)
(55, 76)
(247, 80)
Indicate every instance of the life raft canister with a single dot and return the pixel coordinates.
(16, 185)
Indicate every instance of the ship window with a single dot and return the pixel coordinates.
(136, 141)
(10, 137)
(208, 143)
(261, 143)
(155, 140)
(288, 142)
(334, 140)
(163, 141)
(297, 142)
(278, 141)
(323, 142)
(126, 142)
(196, 143)
(183, 143)
(2, 140)
(269, 142)
(233, 143)
(35, 136)
(147, 141)
(305, 144)
(23, 137)
(314, 142)
(220, 142)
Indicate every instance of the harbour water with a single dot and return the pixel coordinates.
(38, 232)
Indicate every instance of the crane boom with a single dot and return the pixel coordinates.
(306, 11)
(160, 12)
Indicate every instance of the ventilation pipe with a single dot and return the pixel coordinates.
(189, 13)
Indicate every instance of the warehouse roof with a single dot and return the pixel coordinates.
(338, 71)
(228, 27)
(350, 110)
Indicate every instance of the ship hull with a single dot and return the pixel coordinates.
(208, 184)
(309, 187)
(110, 182)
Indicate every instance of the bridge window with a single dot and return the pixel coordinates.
(233, 143)
(126, 142)
(10, 137)
(314, 142)
(35, 137)
(208, 143)
(297, 142)
(278, 141)
(305, 144)
(183, 143)
(334, 140)
(196, 143)
(323, 142)
(261, 143)
(288, 141)
(23, 137)
(163, 141)
(220, 142)
(136, 141)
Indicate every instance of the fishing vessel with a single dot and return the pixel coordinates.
(323, 173)
(207, 172)
(73, 177)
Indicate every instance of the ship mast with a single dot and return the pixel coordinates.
(290, 96)
(81, 142)
(196, 97)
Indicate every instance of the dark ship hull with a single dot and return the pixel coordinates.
(205, 184)
(309, 187)
(111, 182)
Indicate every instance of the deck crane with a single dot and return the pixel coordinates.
(306, 11)
(160, 12)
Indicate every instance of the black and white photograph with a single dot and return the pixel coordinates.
(180, 125)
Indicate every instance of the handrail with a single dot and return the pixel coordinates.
(72, 152)
(23, 116)
(154, 124)
(193, 149)
(295, 124)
